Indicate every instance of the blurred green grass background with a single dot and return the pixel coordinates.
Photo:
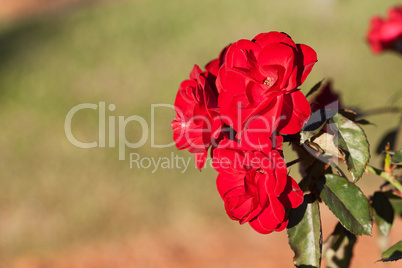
(54, 195)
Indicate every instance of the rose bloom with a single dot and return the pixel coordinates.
(258, 83)
(386, 34)
(254, 185)
(214, 65)
(197, 122)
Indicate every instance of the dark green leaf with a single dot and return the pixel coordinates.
(349, 114)
(389, 178)
(352, 141)
(338, 248)
(394, 253)
(307, 135)
(383, 212)
(347, 202)
(310, 168)
(396, 203)
(314, 88)
(315, 123)
(364, 122)
(397, 157)
(304, 234)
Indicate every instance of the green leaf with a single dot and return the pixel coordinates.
(310, 168)
(349, 114)
(352, 141)
(304, 233)
(347, 202)
(338, 248)
(394, 253)
(364, 122)
(383, 212)
(396, 202)
(315, 123)
(307, 135)
(389, 178)
(314, 88)
(397, 157)
(397, 206)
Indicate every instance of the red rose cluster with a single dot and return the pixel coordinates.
(386, 34)
(239, 106)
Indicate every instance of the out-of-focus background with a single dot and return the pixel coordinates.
(63, 206)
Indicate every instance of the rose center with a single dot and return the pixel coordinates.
(269, 81)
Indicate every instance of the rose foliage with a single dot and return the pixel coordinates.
(243, 105)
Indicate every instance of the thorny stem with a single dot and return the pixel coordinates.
(387, 177)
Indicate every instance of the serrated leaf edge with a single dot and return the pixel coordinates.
(371, 222)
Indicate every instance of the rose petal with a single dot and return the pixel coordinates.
(282, 226)
(256, 138)
(280, 173)
(267, 221)
(226, 183)
(262, 189)
(200, 159)
(292, 196)
(257, 225)
(309, 59)
(213, 67)
(277, 54)
(195, 72)
(239, 54)
(239, 208)
(278, 211)
(265, 116)
(295, 112)
(264, 39)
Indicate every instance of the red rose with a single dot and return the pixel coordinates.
(386, 34)
(255, 186)
(259, 80)
(197, 122)
(245, 96)
(214, 65)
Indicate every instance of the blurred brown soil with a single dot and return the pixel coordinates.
(220, 245)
